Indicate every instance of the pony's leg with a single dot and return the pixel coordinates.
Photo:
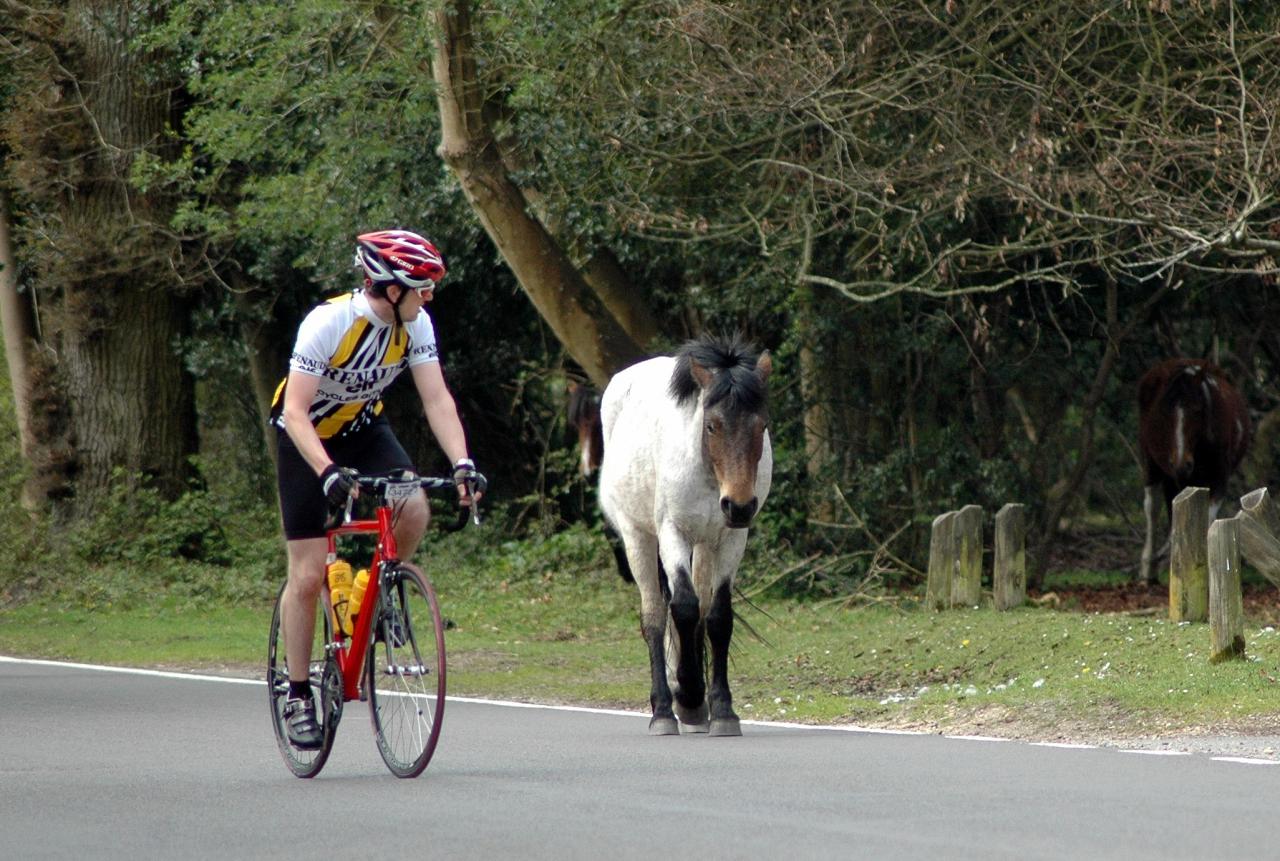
(724, 721)
(1150, 505)
(619, 552)
(688, 650)
(642, 554)
(685, 644)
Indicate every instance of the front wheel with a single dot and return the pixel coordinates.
(326, 687)
(405, 671)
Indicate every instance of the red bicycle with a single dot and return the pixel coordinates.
(394, 656)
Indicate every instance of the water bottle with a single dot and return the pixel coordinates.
(357, 591)
(340, 585)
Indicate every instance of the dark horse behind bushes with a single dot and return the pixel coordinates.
(1193, 431)
(687, 464)
(583, 413)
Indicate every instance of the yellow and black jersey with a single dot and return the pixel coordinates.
(356, 355)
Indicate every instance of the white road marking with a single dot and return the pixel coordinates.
(168, 674)
(1159, 752)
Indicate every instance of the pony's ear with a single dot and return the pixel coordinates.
(764, 365)
(700, 374)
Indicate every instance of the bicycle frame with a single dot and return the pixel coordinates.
(352, 650)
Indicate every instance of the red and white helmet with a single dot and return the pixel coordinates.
(398, 257)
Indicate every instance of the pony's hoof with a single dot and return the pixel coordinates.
(664, 726)
(726, 727)
(694, 719)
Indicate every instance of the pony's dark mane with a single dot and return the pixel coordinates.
(584, 405)
(734, 362)
(1185, 387)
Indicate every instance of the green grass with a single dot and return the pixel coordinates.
(550, 621)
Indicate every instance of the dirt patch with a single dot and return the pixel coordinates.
(1253, 738)
(1261, 601)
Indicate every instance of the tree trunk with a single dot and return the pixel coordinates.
(620, 295)
(17, 316)
(116, 395)
(132, 401)
(590, 334)
(267, 344)
(819, 431)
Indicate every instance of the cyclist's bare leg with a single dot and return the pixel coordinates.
(411, 525)
(298, 606)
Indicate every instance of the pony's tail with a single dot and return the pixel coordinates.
(619, 553)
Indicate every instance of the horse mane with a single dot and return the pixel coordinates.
(733, 360)
(1186, 386)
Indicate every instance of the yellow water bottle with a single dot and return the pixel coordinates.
(340, 585)
(357, 592)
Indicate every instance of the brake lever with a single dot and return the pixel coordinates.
(466, 512)
(474, 486)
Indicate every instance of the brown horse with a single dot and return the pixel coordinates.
(583, 413)
(584, 417)
(1193, 431)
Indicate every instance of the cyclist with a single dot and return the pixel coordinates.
(329, 414)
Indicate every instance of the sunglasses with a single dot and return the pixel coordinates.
(424, 292)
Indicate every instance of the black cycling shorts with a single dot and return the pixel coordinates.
(303, 508)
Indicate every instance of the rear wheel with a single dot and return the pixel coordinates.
(405, 671)
(326, 689)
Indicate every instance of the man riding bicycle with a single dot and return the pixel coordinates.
(329, 414)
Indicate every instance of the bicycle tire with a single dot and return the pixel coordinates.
(405, 671)
(326, 685)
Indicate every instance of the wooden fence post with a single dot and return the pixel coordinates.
(1226, 604)
(942, 557)
(1009, 566)
(966, 587)
(1260, 533)
(1188, 556)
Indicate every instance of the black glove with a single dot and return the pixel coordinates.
(337, 483)
(465, 472)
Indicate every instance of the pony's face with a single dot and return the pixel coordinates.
(732, 443)
(1188, 400)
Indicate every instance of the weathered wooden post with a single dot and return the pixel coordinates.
(1009, 566)
(1188, 556)
(1226, 604)
(966, 586)
(1260, 533)
(942, 561)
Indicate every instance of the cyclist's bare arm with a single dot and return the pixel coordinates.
(442, 412)
(299, 392)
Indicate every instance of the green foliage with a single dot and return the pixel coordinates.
(136, 524)
(139, 548)
(726, 154)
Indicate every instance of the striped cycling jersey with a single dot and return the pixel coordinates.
(356, 355)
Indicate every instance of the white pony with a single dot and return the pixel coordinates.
(687, 464)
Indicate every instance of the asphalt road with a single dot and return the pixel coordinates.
(98, 764)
